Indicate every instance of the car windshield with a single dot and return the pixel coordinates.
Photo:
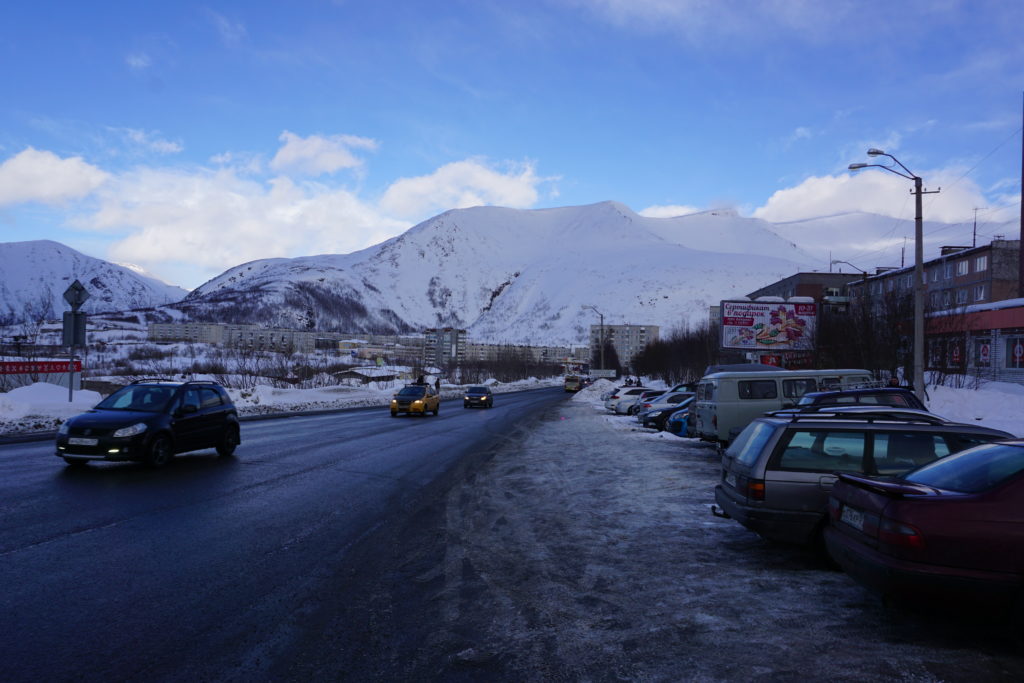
(147, 399)
(972, 471)
(478, 390)
(412, 391)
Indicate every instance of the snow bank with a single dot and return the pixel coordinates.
(999, 405)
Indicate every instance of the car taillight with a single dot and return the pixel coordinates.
(896, 533)
(753, 489)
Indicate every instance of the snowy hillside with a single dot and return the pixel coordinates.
(517, 276)
(34, 275)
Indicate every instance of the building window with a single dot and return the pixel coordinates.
(946, 299)
(1015, 352)
(961, 296)
(981, 263)
(979, 292)
(948, 271)
(935, 299)
(983, 352)
(962, 267)
(908, 280)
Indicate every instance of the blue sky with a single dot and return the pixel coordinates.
(189, 137)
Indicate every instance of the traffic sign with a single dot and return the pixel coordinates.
(76, 295)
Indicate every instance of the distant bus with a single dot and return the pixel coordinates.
(573, 383)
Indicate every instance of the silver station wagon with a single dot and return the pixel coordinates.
(777, 474)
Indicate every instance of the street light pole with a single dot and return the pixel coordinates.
(919, 284)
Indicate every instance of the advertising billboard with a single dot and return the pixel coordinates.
(768, 326)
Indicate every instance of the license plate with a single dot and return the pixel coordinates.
(79, 441)
(854, 518)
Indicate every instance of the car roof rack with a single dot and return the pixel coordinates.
(144, 380)
(865, 413)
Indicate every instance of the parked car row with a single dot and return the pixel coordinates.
(652, 408)
(909, 504)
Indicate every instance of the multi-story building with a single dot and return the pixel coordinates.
(479, 351)
(443, 346)
(627, 340)
(827, 289)
(960, 276)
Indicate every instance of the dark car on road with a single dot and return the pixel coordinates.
(951, 529)
(776, 476)
(480, 397)
(883, 396)
(151, 421)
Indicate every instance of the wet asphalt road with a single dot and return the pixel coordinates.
(205, 569)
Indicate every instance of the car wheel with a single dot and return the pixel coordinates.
(465, 405)
(76, 462)
(228, 442)
(437, 410)
(160, 452)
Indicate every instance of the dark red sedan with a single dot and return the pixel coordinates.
(952, 529)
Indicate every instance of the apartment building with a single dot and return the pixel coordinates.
(960, 276)
(627, 340)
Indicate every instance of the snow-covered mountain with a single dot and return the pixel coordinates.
(34, 275)
(515, 276)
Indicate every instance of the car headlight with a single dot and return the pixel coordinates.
(135, 429)
(417, 402)
(63, 429)
(394, 401)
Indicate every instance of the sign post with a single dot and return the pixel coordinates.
(74, 328)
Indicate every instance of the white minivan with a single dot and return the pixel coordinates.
(727, 401)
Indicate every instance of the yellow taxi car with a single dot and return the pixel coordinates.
(416, 398)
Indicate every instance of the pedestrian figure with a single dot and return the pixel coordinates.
(437, 385)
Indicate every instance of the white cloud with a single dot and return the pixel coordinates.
(703, 20)
(138, 61)
(40, 176)
(231, 32)
(149, 141)
(880, 192)
(317, 154)
(216, 219)
(668, 211)
(459, 185)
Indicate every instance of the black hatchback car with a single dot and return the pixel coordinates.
(150, 421)
(478, 396)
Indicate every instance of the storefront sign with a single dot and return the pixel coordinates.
(39, 367)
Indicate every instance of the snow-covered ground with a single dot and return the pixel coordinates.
(585, 550)
(40, 407)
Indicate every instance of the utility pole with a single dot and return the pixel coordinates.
(974, 237)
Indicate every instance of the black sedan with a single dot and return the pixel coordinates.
(478, 397)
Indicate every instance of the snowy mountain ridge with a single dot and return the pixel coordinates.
(35, 274)
(514, 276)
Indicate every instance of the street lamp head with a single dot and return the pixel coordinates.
(857, 167)
(874, 152)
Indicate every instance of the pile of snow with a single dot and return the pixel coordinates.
(997, 404)
(40, 406)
